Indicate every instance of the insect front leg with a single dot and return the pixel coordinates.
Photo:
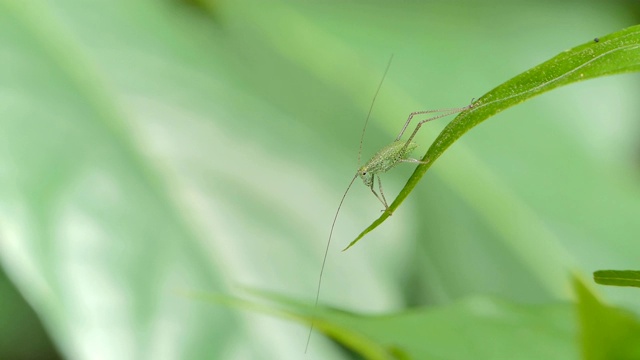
(386, 207)
(382, 199)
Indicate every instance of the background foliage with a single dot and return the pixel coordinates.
(152, 148)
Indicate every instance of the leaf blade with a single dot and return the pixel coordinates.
(615, 53)
(481, 323)
(617, 277)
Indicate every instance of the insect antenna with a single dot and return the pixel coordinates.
(324, 260)
(364, 129)
(335, 218)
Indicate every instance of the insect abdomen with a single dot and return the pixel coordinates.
(389, 156)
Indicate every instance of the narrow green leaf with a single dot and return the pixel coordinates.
(476, 328)
(617, 277)
(616, 53)
(605, 332)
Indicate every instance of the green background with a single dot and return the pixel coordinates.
(149, 149)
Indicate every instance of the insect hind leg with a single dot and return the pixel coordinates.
(448, 111)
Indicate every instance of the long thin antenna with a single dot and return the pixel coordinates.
(333, 224)
(324, 260)
(371, 107)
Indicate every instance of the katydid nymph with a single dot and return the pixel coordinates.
(387, 158)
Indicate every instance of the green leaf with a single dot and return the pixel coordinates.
(615, 53)
(617, 277)
(605, 332)
(476, 328)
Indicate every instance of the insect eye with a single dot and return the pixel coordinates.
(364, 173)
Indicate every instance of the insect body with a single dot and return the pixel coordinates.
(383, 161)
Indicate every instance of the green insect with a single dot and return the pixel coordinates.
(395, 153)
(387, 158)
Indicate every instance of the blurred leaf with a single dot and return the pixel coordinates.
(21, 332)
(92, 230)
(476, 328)
(606, 333)
(135, 164)
(617, 277)
(612, 54)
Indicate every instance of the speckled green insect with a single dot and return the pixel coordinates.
(396, 152)
(384, 160)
